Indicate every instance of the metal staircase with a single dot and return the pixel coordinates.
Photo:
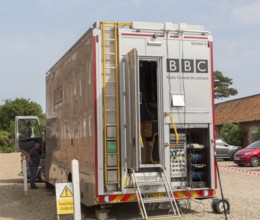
(139, 185)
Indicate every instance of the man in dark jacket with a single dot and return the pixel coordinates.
(34, 161)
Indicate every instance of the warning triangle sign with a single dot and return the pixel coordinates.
(66, 192)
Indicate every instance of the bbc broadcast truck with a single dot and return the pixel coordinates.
(134, 104)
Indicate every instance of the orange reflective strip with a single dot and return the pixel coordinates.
(133, 198)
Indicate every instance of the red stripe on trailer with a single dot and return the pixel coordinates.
(161, 36)
(140, 35)
(213, 108)
(95, 110)
(174, 36)
(196, 37)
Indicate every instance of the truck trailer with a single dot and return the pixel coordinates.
(134, 104)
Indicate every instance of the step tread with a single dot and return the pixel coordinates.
(170, 216)
(155, 200)
(151, 183)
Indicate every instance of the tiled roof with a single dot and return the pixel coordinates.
(246, 109)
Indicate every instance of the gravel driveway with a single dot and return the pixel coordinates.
(242, 190)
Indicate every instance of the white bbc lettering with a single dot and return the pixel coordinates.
(187, 66)
(201, 66)
(173, 65)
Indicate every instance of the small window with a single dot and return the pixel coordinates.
(58, 95)
(29, 129)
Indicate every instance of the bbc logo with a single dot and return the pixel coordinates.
(187, 66)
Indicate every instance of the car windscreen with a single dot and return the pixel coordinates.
(254, 145)
(221, 143)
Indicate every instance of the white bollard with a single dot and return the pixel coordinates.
(76, 190)
(25, 176)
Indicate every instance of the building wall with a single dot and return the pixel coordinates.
(250, 129)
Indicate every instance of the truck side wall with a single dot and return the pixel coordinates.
(71, 117)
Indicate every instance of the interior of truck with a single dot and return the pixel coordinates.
(149, 112)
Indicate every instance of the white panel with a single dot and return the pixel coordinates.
(167, 26)
(112, 176)
(178, 100)
(112, 160)
(111, 132)
(111, 117)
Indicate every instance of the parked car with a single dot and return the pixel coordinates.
(225, 151)
(250, 155)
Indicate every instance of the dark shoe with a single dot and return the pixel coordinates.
(34, 187)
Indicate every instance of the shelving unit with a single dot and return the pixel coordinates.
(198, 166)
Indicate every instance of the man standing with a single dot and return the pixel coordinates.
(34, 161)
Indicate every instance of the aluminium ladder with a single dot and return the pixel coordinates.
(110, 103)
(110, 74)
(163, 181)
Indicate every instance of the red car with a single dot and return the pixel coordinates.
(249, 155)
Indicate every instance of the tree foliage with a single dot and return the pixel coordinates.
(12, 108)
(232, 134)
(6, 142)
(4, 138)
(256, 136)
(222, 85)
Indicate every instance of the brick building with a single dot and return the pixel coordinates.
(245, 111)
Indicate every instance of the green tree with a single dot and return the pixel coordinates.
(256, 136)
(232, 134)
(222, 85)
(12, 108)
(6, 142)
(4, 138)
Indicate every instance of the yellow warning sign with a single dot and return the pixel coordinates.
(66, 192)
(65, 206)
(64, 198)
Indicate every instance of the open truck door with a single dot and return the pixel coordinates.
(143, 111)
(132, 112)
(27, 133)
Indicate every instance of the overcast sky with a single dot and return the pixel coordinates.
(34, 34)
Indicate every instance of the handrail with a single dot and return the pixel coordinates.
(141, 141)
(175, 131)
(151, 153)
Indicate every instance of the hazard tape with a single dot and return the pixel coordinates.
(239, 170)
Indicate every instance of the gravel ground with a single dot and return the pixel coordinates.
(241, 189)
